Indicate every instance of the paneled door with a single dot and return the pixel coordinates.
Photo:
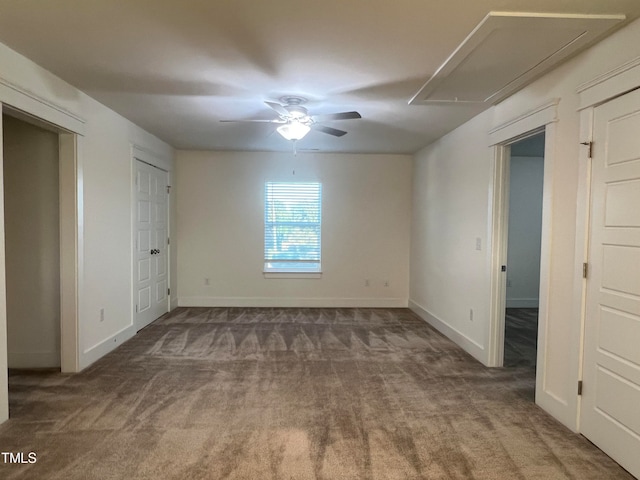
(610, 415)
(151, 244)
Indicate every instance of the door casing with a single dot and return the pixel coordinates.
(538, 120)
(600, 430)
(70, 129)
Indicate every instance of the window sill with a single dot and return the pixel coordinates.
(301, 275)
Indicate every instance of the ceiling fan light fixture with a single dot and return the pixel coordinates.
(293, 130)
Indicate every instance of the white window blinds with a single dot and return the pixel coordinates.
(292, 226)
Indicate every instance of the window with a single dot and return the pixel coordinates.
(292, 220)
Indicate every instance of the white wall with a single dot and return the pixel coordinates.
(32, 245)
(365, 229)
(452, 188)
(450, 212)
(105, 169)
(525, 229)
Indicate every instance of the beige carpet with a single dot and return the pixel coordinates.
(290, 394)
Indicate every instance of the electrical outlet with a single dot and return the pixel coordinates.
(478, 243)
(207, 281)
(471, 314)
(102, 314)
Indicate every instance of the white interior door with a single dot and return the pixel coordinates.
(151, 244)
(610, 415)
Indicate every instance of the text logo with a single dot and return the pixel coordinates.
(19, 457)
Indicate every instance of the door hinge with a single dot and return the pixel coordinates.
(168, 291)
(168, 241)
(579, 387)
(136, 308)
(168, 188)
(585, 270)
(590, 145)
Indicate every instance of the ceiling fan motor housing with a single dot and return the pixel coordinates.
(293, 105)
(292, 100)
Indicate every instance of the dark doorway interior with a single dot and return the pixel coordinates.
(526, 171)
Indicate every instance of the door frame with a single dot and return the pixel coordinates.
(535, 121)
(600, 432)
(591, 94)
(144, 155)
(68, 221)
(71, 129)
(501, 244)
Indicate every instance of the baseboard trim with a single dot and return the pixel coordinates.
(99, 350)
(523, 302)
(467, 344)
(173, 303)
(292, 302)
(33, 359)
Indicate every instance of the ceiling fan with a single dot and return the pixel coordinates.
(295, 119)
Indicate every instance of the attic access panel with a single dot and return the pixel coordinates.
(508, 50)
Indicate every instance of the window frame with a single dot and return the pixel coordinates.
(314, 271)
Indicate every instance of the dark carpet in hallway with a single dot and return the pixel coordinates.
(520, 337)
(230, 393)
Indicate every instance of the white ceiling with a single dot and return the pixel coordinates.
(178, 67)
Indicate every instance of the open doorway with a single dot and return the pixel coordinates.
(67, 129)
(32, 244)
(542, 120)
(525, 181)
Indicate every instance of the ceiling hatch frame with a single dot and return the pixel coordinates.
(507, 51)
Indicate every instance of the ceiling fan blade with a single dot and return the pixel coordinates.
(280, 110)
(331, 131)
(254, 120)
(336, 116)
